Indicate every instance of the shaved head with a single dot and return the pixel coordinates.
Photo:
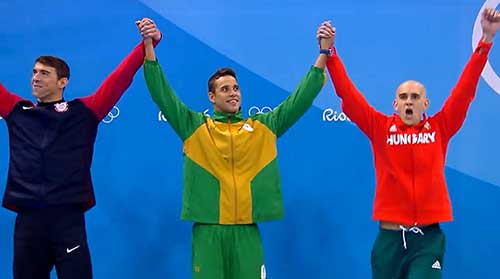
(411, 101)
(411, 85)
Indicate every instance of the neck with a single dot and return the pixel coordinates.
(50, 98)
(225, 112)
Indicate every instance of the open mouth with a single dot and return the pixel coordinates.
(409, 112)
(233, 102)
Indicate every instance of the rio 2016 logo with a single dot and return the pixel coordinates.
(162, 118)
(331, 115)
(489, 75)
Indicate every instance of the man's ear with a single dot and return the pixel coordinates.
(211, 97)
(62, 82)
(427, 103)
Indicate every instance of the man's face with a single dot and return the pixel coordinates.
(227, 96)
(45, 85)
(411, 102)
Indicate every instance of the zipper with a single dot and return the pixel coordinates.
(413, 185)
(42, 193)
(232, 169)
(43, 146)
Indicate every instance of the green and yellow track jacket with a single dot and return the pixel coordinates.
(231, 173)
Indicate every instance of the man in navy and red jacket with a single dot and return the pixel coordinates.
(409, 150)
(51, 147)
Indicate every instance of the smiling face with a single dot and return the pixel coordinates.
(224, 91)
(50, 76)
(411, 102)
(45, 85)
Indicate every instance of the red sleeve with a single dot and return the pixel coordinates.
(454, 110)
(354, 104)
(113, 87)
(7, 101)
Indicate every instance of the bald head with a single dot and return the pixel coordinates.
(410, 86)
(411, 101)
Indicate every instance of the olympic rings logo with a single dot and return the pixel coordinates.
(257, 110)
(112, 115)
(488, 74)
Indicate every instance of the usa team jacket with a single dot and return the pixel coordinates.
(52, 144)
(231, 171)
(409, 161)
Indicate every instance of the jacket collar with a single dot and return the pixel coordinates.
(402, 126)
(226, 117)
(43, 104)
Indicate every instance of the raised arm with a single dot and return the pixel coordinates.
(455, 108)
(113, 87)
(354, 104)
(7, 101)
(293, 107)
(183, 120)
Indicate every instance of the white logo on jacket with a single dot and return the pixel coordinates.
(248, 127)
(60, 107)
(427, 126)
(403, 139)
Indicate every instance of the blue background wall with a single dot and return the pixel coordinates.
(328, 177)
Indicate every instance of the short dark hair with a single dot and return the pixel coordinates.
(220, 73)
(62, 69)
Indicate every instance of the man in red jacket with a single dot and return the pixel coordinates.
(409, 149)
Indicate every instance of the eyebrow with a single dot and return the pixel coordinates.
(410, 93)
(41, 70)
(229, 85)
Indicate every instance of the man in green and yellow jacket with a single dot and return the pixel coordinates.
(231, 175)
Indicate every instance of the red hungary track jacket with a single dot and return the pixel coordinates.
(409, 161)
